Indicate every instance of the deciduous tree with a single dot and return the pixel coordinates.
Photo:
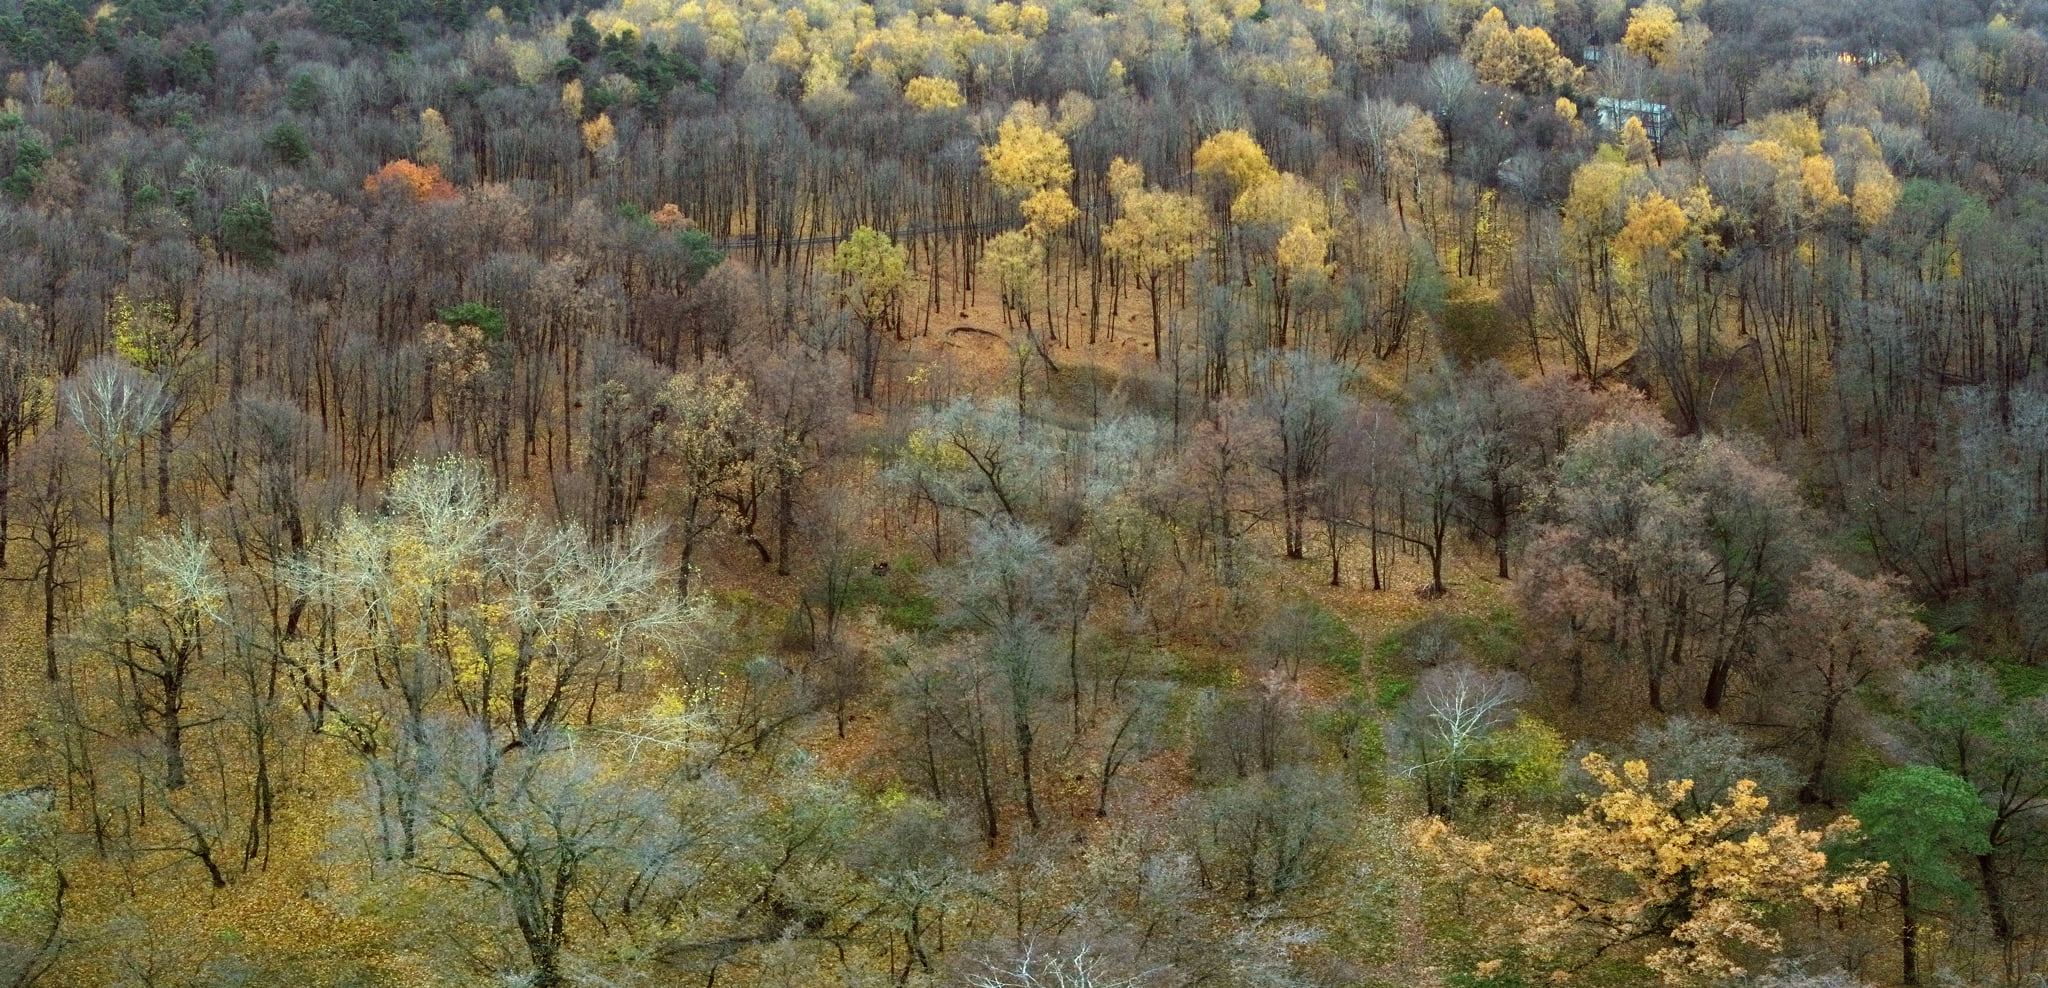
(1626, 876)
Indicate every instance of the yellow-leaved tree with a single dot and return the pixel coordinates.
(1655, 223)
(1031, 161)
(1157, 233)
(599, 136)
(572, 100)
(1235, 159)
(1636, 147)
(873, 270)
(1287, 219)
(1523, 58)
(1028, 156)
(933, 93)
(1652, 28)
(1634, 876)
(437, 142)
(1014, 261)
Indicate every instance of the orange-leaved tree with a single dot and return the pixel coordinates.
(1635, 875)
(423, 182)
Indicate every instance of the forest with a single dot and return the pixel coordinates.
(1024, 493)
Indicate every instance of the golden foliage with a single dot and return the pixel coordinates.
(1012, 260)
(1652, 28)
(933, 93)
(1902, 95)
(1654, 223)
(1417, 150)
(1820, 193)
(1630, 869)
(1048, 210)
(1032, 19)
(1303, 249)
(1636, 148)
(1028, 155)
(1794, 130)
(1157, 230)
(1125, 177)
(1875, 194)
(1233, 157)
(1300, 70)
(670, 217)
(1597, 206)
(572, 100)
(1523, 58)
(875, 269)
(599, 134)
(1281, 202)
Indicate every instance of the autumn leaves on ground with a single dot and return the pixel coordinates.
(1266, 494)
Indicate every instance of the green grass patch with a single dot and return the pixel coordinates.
(1494, 640)
(898, 596)
(1394, 689)
(2021, 682)
(1201, 670)
(1304, 633)
(917, 614)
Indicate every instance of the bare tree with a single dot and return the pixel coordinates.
(1130, 734)
(556, 828)
(1303, 401)
(1442, 436)
(115, 406)
(1010, 590)
(1837, 631)
(1031, 969)
(33, 886)
(51, 493)
(24, 396)
(160, 640)
(1452, 712)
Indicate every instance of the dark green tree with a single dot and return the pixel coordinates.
(304, 95)
(584, 43)
(248, 233)
(288, 141)
(490, 320)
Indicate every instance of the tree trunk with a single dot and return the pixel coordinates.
(1811, 791)
(1024, 746)
(1909, 935)
(174, 736)
(1717, 684)
(785, 522)
(1158, 335)
(1995, 905)
(163, 465)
